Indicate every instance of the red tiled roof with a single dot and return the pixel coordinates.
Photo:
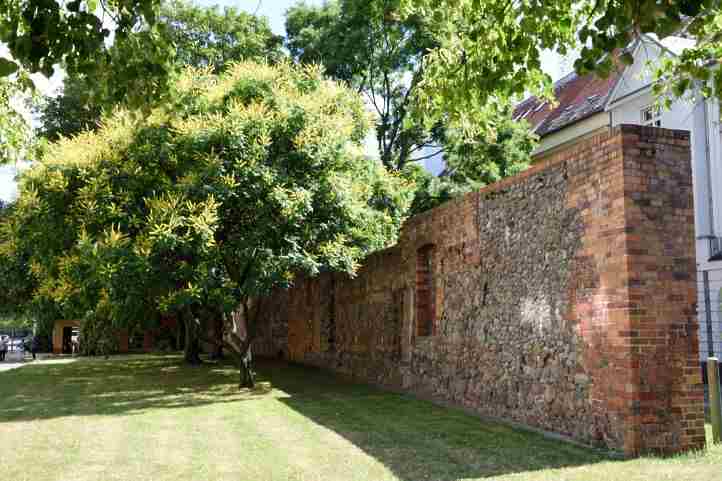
(577, 97)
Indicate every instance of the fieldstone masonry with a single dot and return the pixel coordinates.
(562, 298)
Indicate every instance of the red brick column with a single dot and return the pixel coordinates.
(635, 291)
(665, 395)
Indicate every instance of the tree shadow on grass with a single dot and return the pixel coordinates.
(118, 386)
(415, 439)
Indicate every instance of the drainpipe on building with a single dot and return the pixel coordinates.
(708, 168)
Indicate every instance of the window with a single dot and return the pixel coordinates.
(652, 116)
(425, 299)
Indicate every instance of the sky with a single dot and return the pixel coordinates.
(274, 10)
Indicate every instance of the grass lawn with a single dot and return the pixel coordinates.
(150, 417)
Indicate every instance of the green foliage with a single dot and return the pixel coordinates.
(16, 139)
(209, 37)
(475, 55)
(72, 111)
(15, 322)
(377, 51)
(489, 52)
(693, 71)
(186, 35)
(433, 191)
(41, 34)
(488, 157)
(97, 336)
(473, 162)
(611, 24)
(16, 283)
(227, 192)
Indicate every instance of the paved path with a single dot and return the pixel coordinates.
(13, 359)
(6, 366)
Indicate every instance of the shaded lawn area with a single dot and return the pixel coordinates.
(151, 417)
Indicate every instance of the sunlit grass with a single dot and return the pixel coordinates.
(151, 417)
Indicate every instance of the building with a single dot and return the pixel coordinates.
(589, 104)
(66, 333)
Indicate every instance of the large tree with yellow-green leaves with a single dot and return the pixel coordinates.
(242, 182)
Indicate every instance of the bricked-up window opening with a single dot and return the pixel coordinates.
(425, 302)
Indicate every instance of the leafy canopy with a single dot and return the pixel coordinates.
(489, 51)
(16, 136)
(483, 53)
(240, 183)
(377, 51)
(197, 36)
(41, 34)
(210, 37)
(473, 162)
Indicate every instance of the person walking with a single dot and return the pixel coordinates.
(3, 348)
(34, 346)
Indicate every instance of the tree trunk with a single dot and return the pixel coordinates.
(247, 376)
(179, 327)
(217, 353)
(192, 347)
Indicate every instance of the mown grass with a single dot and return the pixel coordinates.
(150, 417)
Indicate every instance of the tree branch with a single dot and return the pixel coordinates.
(427, 156)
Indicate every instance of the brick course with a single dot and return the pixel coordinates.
(562, 298)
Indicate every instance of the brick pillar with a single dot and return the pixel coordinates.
(665, 392)
(637, 290)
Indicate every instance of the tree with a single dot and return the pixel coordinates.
(433, 191)
(488, 52)
(207, 36)
(16, 283)
(70, 112)
(242, 182)
(377, 51)
(16, 138)
(197, 36)
(694, 68)
(382, 53)
(42, 34)
(472, 163)
(503, 151)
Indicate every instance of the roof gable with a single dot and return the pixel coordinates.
(578, 97)
(638, 76)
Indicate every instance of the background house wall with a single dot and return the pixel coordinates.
(572, 133)
(562, 298)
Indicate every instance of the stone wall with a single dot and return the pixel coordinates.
(562, 298)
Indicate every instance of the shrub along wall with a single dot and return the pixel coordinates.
(562, 298)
